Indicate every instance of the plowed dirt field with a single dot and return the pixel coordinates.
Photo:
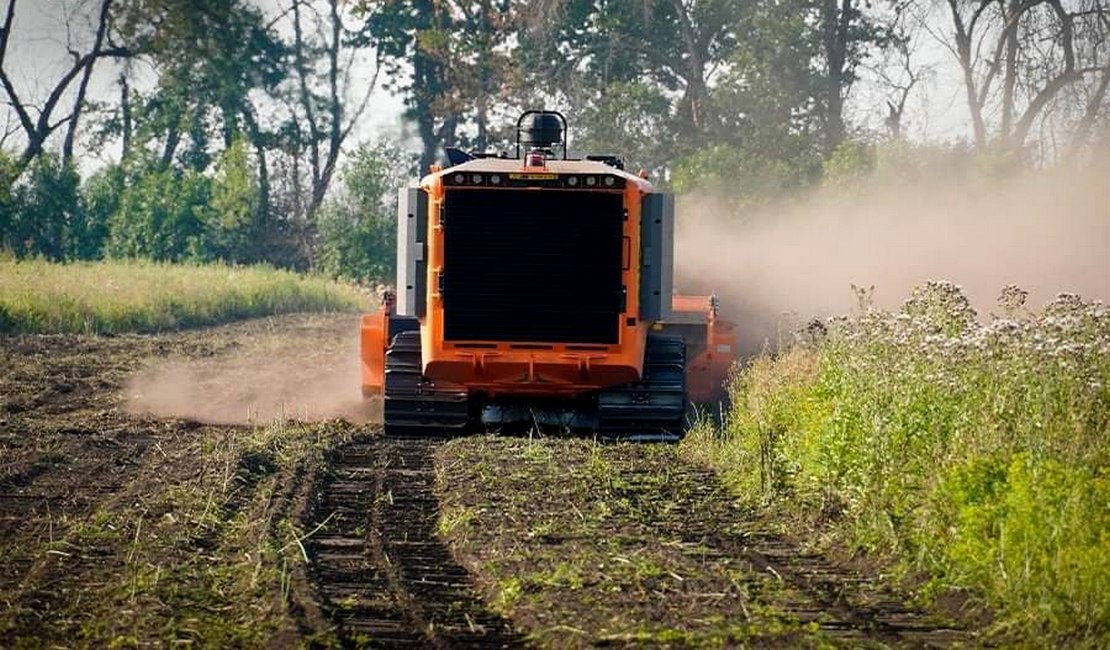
(136, 508)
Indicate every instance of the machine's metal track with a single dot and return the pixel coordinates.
(413, 404)
(652, 408)
(655, 406)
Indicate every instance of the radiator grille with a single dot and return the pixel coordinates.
(532, 265)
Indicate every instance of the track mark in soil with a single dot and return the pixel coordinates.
(841, 603)
(379, 568)
(632, 544)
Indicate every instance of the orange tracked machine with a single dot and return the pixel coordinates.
(537, 289)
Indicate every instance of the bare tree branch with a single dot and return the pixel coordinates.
(82, 88)
(38, 130)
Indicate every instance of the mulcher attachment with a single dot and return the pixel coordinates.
(655, 406)
(413, 404)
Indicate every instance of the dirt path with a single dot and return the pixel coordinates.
(585, 543)
(119, 526)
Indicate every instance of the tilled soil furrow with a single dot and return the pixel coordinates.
(555, 527)
(843, 604)
(384, 576)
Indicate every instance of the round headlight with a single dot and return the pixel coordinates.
(495, 179)
(460, 178)
(572, 181)
(591, 181)
(610, 181)
(477, 179)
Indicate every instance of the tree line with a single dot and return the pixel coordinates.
(233, 124)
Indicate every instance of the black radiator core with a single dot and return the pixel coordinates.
(532, 265)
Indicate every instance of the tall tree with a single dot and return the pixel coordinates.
(1020, 58)
(50, 114)
(209, 56)
(846, 36)
(455, 56)
(675, 46)
(329, 100)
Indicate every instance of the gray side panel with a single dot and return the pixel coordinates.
(412, 234)
(656, 256)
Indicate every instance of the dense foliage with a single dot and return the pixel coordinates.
(976, 452)
(235, 118)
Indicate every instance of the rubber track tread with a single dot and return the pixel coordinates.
(413, 404)
(654, 405)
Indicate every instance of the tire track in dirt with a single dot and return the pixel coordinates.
(557, 526)
(377, 564)
(843, 604)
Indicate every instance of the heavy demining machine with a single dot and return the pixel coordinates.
(537, 290)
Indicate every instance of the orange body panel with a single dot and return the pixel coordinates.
(706, 371)
(372, 335)
(542, 367)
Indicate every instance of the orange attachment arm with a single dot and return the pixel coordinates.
(373, 342)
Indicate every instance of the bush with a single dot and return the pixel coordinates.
(357, 230)
(975, 452)
(43, 211)
(161, 216)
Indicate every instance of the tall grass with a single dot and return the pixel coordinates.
(138, 296)
(975, 453)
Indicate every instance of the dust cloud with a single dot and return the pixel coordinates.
(297, 368)
(1044, 231)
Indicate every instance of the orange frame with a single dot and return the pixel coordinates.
(539, 367)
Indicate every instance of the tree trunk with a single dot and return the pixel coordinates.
(967, 67)
(125, 115)
(1010, 80)
(835, 22)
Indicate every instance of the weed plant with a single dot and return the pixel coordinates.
(137, 296)
(973, 453)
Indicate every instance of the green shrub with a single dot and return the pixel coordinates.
(357, 230)
(975, 452)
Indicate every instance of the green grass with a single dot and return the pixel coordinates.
(137, 296)
(975, 454)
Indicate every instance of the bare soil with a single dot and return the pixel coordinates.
(585, 543)
(123, 525)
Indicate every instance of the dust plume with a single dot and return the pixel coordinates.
(1044, 231)
(300, 368)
